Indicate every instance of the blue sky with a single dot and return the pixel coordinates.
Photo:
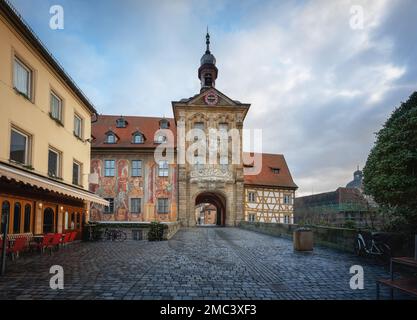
(318, 88)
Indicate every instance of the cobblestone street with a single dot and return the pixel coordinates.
(198, 263)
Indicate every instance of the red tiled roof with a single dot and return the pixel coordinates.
(145, 125)
(267, 177)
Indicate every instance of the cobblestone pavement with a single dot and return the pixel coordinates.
(197, 263)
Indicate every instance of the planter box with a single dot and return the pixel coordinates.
(303, 240)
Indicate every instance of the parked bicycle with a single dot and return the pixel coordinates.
(374, 245)
(114, 235)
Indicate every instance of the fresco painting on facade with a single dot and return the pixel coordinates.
(150, 183)
(120, 202)
(96, 169)
(135, 187)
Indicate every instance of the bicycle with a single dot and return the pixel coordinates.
(373, 246)
(114, 235)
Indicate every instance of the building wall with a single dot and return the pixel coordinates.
(336, 208)
(32, 117)
(207, 214)
(122, 187)
(269, 205)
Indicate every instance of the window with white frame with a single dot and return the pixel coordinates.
(54, 163)
(121, 123)
(163, 168)
(19, 146)
(56, 106)
(198, 126)
(251, 196)
(223, 133)
(22, 78)
(109, 168)
(110, 138)
(251, 217)
(110, 208)
(199, 159)
(135, 205)
(76, 173)
(287, 199)
(78, 125)
(224, 128)
(136, 168)
(163, 205)
(224, 160)
(161, 138)
(138, 138)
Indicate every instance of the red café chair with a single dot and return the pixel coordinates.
(54, 243)
(18, 246)
(44, 243)
(73, 235)
(66, 238)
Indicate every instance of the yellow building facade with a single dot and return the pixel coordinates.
(45, 130)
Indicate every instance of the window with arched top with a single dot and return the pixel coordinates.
(48, 220)
(138, 138)
(164, 124)
(73, 221)
(17, 217)
(5, 212)
(110, 137)
(28, 218)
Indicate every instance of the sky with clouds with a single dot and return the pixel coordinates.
(319, 88)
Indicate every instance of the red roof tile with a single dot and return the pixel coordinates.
(145, 125)
(267, 177)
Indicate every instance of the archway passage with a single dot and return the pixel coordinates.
(48, 220)
(210, 209)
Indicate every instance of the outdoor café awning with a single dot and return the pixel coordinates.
(38, 181)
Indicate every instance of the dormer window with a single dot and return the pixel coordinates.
(161, 139)
(138, 138)
(110, 137)
(164, 124)
(121, 123)
(275, 170)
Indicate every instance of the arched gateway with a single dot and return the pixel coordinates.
(219, 183)
(212, 199)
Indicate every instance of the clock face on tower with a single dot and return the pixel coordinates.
(211, 98)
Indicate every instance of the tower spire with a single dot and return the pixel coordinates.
(208, 42)
(207, 73)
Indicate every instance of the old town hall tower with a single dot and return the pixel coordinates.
(216, 179)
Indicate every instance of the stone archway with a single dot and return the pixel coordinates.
(218, 201)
